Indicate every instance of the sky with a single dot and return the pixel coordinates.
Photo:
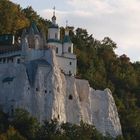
(117, 19)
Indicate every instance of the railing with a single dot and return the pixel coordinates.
(5, 49)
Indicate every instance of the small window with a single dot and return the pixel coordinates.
(70, 63)
(36, 89)
(70, 73)
(6, 37)
(58, 90)
(18, 61)
(56, 50)
(12, 60)
(55, 35)
(70, 97)
(45, 91)
(12, 111)
(4, 60)
(69, 49)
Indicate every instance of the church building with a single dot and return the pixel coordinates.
(33, 45)
(64, 49)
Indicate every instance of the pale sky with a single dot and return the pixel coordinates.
(117, 19)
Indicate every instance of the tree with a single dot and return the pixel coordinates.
(3, 121)
(25, 124)
(12, 15)
(11, 134)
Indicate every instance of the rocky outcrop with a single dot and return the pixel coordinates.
(40, 88)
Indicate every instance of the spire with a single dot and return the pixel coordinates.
(54, 17)
(67, 29)
(67, 37)
(54, 11)
(66, 23)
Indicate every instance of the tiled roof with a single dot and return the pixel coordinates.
(53, 40)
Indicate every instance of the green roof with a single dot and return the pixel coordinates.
(53, 40)
(34, 27)
(67, 39)
(53, 26)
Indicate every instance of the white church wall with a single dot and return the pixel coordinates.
(33, 54)
(56, 46)
(67, 65)
(68, 47)
(54, 33)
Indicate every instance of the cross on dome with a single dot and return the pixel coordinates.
(66, 23)
(54, 11)
(54, 17)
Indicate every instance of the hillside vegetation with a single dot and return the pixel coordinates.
(97, 62)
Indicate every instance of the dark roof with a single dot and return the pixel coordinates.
(32, 29)
(54, 26)
(53, 40)
(67, 39)
(31, 68)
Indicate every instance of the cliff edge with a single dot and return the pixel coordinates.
(42, 89)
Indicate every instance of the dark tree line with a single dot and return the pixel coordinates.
(22, 126)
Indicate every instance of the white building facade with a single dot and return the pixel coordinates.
(64, 48)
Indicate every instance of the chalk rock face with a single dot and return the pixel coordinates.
(104, 112)
(41, 88)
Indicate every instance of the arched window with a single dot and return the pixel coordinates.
(70, 97)
(12, 111)
(12, 59)
(4, 60)
(36, 43)
(55, 35)
(56, 50)
(18, 60)
(69, 49)
(70, 73)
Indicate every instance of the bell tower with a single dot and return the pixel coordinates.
(53, 31)
(67, 43)
(54, 36)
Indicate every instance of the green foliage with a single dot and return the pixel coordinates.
(3, 121)
(25, 124)
(98, 63)
(11, 134)
(12, 15)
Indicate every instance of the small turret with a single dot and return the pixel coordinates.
(67, 43)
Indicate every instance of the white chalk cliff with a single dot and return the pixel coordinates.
(47, 93)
